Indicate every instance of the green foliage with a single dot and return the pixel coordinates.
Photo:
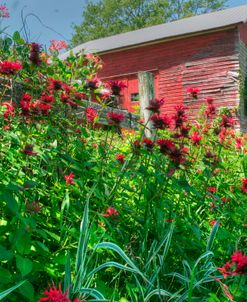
(109, 17)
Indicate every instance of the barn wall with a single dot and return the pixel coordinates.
(209, 62)
(242, 46)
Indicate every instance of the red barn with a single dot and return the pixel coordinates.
(208, 51)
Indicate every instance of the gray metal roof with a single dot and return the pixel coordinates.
(177, 28)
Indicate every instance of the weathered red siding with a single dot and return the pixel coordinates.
(208, 61)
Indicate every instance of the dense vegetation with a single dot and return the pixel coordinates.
(91, 214)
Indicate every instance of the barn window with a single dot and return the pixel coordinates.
(134, 97)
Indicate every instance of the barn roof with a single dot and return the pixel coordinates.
(191, 25)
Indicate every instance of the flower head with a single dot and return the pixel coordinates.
(161, 121)
(53, 294)
(69, 178)
(91, 114)
(244, 185)
(28, 150)
(9, 67)
(10, 110)
(193, 92)
(149, 144)
(120, 158)
(115, 118)
(196, 138)
(57, 45)
(116, 87)
(111, 212)
(4, 12)
(155, 105)
(34, 56)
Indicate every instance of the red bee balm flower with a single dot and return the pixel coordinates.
(238, 266)
(244, 185)
(161, 122)
(91, 114)
(4, 12)
(111, 212)
(69, 178)
(155, 105)
(115, 118)
(9, 67)
(116, 87)
(54, 294)
(196, 138)
(57, 45)
(193, 92)
(120, 158)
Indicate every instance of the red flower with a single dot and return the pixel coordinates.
(244, 185)
(28, 150)
(193, 92)
(196, 138)
(166, 145)
(238, 266)
(10, 110)
(44, 108)
(111, 212)
(239, 143)
(55, 84)
(120, 158)
(34, 56)
(210, 110)
(227, 122)
(115, 118)
(148, 143)
(93, 83)
(54, 294)
(209, 100)
(212, 190)
(46, 98)
(57, 45)
(9, 67)
(116, 86)
(155, 105)
(91, 114)
(161, 122)
(4, 13)
(69, 178)
(180, 117)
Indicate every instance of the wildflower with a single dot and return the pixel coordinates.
(209, 100)
(213, 222)
(238, 265)
(34, 56)
(9, 67)
(196, 138)
(10, 110)
(161, 122)
(80, 96)
(4, 12)
(44, 108)
(105, 94)
(91, 114)
(93, 83)
(69, 178)
(46, 98)
(33, 207)
(166, 145)
(193, 92)
(54, 294)
(155, 105)
(57, 45)
(210, 110)
(239, 143)
(180, 117)
(55, 84)
(28, 150)
(111, 212)
(244, 185)
(115, 118)
(227, 122)
(120, 158)
(212, 190)
(148, 143)
(116, 87)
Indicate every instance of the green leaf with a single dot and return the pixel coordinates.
(5, 255)
(27, 291)
(8, 291)
(5, 276)
(11, 202)
(24, 265)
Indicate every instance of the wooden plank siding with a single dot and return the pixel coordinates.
(209, 61)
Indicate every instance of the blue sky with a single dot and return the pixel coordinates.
(57, 17)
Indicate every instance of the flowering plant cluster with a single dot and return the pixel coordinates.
(158, 198)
